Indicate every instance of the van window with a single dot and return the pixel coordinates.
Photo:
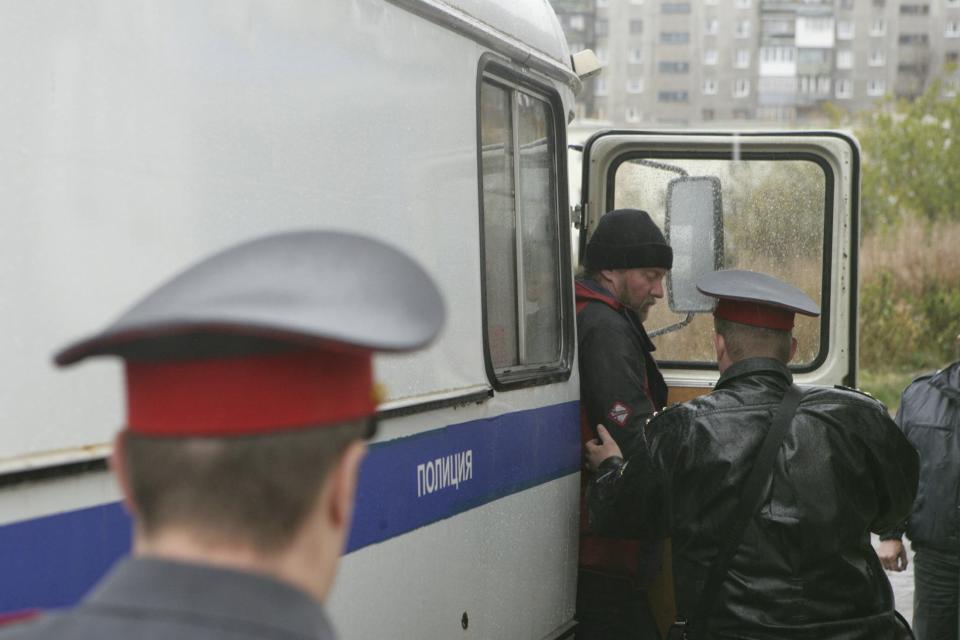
(521, 239)
(775, 210)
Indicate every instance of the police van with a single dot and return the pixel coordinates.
(138, 137)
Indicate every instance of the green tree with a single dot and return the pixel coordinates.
(911, 162)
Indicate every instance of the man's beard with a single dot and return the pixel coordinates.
(643, 309)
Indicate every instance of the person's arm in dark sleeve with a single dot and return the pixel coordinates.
(897, 531)
(614, 386)
(632, 498)
(896, 470)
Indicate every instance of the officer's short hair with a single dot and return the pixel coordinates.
(256, 490)
(746, 341)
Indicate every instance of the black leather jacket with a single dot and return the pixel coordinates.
(805, 567)
(929, 416)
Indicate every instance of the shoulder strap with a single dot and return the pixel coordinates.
(749, 504)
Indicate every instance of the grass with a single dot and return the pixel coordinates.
(909, 304)
(886, 386)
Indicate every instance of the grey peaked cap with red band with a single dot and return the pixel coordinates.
(755, 299)
(627, 239)
(306, 289)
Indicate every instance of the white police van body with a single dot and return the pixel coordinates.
(138, 137)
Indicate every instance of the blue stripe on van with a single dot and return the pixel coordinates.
(52, 561)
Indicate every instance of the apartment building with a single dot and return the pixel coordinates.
(680, 62)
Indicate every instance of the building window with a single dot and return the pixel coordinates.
(636, 26)
(952, 57)
(913, 38)
(601, 53)
(774, 55)
(600, 86)
(743, 29)
(953, 4)
(601, 27)
(844, 88)
(845, 30)
(710, 57)
(742, 59)
(877, 58)
(635, 85)
(845, 59)
(635, 56)
(741, 88)
(712, 27)
(914, 9)
(668, 66)
(674, 37)
(876, 87)
(778, 27)
(878, 27)
(675, 7)
(576, 22)
(524, 288)
(633, 114)
(672, 96)
(952, 30)
(709, 87)
(741, 114)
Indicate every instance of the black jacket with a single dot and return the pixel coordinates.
(929, 416)
(620, 387)
(620, 383)
(805, 567)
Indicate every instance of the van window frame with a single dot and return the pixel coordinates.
(500, 72)
(826, 271)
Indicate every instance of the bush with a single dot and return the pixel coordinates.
(910, 297)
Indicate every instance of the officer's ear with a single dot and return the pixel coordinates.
(118, 465)
(343, 484)
(719, 345)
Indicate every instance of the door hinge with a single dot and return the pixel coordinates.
(578, 215)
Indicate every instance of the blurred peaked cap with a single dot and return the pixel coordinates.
(304, 288)
(276, 333)
(627, 239)
(756, 299)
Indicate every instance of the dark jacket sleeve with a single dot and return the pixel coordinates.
(613, 380)
(633, 499)
(897, 531)
(895, 469)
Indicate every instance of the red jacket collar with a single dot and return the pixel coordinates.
(587, 290)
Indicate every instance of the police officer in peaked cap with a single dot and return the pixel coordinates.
(803, 566)
(249, 397)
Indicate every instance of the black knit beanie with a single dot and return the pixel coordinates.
(627, 239)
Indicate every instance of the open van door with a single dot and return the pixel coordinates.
(785, 204)
(780, 203)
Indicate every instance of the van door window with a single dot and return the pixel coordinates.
(521, 238)
(775, 210)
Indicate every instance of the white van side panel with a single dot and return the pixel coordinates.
(141, 136)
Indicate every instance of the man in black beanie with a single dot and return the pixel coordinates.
(620, 387)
